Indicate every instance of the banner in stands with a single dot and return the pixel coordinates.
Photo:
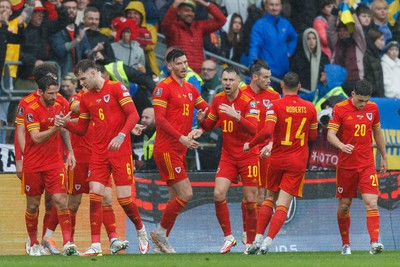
(7, 158)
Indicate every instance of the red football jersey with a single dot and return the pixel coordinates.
(47, 155)
(293, 120)
(24, 102)
(264, 99)
(234, 134)
(174, 108)
(354, 127)
(19, 118)
(105, 109)
(82, 145)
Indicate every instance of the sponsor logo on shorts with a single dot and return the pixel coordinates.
(77, 187)
(27, 188)
(340, 190)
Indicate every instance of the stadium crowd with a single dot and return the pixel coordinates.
(334, 46)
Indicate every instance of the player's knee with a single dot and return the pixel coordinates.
(187, 195)
(33, 206)
(74, 206)
(344, 208)
(219, 195)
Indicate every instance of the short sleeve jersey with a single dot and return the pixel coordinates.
(264, 102)
(81, 144)
(232, 135)
(47, 155)
(27, 100)
(179, 102)
(104, 108)
(294, 119)
(354, 127)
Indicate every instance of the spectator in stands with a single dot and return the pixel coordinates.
(273, 39)
(232, 38)
(321, 23)
(149, 135)
(254, 14)
(380, 13)
(364, 16)
(11, 35)
(391, 69)
(33, 49)
(82, 4)
(212, 82)
(309, 61)
(147, 33)
(100, 44)
(69, 83)
(125, 47)
(235, 6)
(69, 45)
(348, 48)
(331, 81)
(303, 13)
(11, 32)
(180, 28)
(372, 61)
(109, 11)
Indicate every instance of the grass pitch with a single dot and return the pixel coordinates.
(295, 259)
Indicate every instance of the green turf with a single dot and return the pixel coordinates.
(296, 259)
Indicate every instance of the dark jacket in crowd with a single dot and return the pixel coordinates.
(35, 46)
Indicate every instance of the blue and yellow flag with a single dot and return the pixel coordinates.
(346, 17)
(393, 13)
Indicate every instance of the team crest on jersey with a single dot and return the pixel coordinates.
(340, 190)
(29, 117)
(106, 98)
(267, 103)
(27, 188)
(20, 111)
(369, 116)
(77, 187)
(253, 104)
(178, 169)
(158, 92)
(190, 96)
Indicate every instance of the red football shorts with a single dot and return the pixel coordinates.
(291, 182)
(247, 169)
(121, 167)
(77, 179)
(54, 181)
(347, 182)
(263, 173)
(171, 166)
